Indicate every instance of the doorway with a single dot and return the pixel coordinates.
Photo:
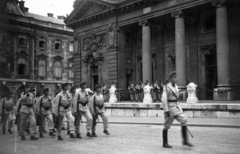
(208, 72)
(94, 76)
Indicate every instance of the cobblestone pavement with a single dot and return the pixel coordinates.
(128, 139)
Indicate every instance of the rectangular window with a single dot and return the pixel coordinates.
(41, 44)
(57, 46)
(21, 40)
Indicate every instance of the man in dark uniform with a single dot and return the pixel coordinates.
(173, 110)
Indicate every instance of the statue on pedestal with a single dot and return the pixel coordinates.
(191, 89)
(112, 92)
(147, 94)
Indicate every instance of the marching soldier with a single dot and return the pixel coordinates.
(6, 108)
(173, 111)
(27, 113)
(80, 107)
(62, 108)
(97, 108)
(44, 109)
(131, 91)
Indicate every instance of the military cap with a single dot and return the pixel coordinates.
(98, 86)
(45, 90)
(64, 85)
(83, 83)
(172, 74)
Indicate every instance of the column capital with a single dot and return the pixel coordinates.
(177, 14)
(144, 23)
(218, 3)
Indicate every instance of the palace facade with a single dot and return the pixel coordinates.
(137, 40)
(35, 51)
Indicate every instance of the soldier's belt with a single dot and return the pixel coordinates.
(65, 107)
(28, 105)
(46, 108)
(172, 100)
(100, 106)
(83, 104)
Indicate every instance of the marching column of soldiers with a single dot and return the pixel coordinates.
(72, 104)
(32, 111)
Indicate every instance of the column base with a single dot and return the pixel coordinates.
(182, 93)
(223, 93)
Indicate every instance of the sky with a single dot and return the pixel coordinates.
(57, 7)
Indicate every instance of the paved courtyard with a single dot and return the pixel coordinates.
(129, 139)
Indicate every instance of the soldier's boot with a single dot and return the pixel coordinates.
(44, 130)
(51, 133)
(79, 135)
(89, 134)
(60, 137)
(27, 131)
(106, 132)
(33, 137)
(72, 135)
(23, 137)
(41, 135)
(165, 139)
(185, 137)
(10, 131)
(94, 134)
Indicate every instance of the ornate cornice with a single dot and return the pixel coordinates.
(144, 23)
(218, 3)
(177, 14)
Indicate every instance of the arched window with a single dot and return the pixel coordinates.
(57, 69)
(21, 66)
(41, 68)
(70, 69)
(3, 66)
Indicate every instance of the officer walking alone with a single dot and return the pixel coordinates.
(172, 110)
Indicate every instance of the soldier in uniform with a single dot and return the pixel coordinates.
(6, 108)
(131, 92)
(62, 108)
(27, 113)
(159, 90)
(97, 108)
(141, 94)
(154, 92)
(136, 92)
(44, 109)
(80, 107)
(172, 110)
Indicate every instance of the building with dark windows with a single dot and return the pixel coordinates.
(118, 41)
(35, 51)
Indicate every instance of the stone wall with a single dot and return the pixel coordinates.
(156, 110)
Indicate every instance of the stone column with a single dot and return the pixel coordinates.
(223, 66)
(146, 51)
(180, 51)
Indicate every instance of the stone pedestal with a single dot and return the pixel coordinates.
(146, 51)
(223, 93)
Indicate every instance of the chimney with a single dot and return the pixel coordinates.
(50, 15)
(61, 17)
(26, 9)
(21, 5)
